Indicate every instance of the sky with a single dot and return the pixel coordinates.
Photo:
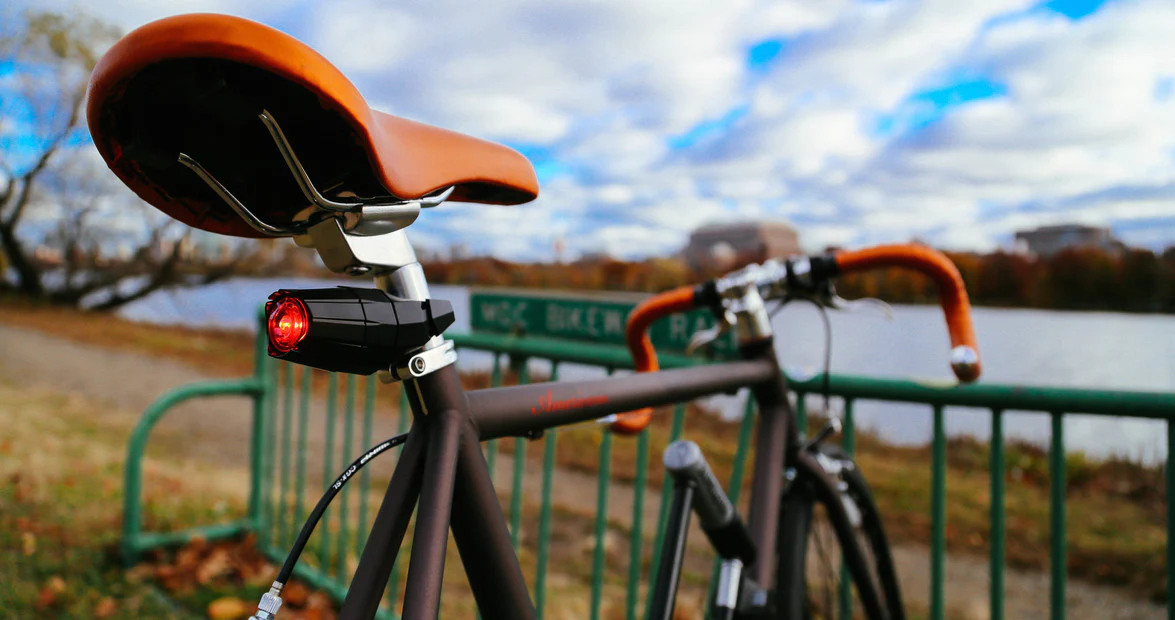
(858, 121)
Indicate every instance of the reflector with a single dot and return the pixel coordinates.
(288, 324)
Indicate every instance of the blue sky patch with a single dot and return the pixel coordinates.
(762, 54)
(708, 129)
(926, 107)
(1073, 9)
(1164, 88)
(546, 165)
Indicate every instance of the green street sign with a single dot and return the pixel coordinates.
(600, 319)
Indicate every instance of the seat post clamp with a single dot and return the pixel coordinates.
(426, 362)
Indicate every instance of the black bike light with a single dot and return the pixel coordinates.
(353, 330)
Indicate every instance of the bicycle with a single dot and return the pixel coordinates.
(186, 95)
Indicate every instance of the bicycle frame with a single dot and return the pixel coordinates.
(442, 470)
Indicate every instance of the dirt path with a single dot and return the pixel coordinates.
(217, 430)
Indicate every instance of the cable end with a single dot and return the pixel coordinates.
(270, 602)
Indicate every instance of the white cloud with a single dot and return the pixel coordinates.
(345, 32)
(605, 87)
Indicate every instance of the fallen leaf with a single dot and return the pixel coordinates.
(295, 594)
(188, 558)
(318, 600)
(50, 594)
(140, 573)
(57, 584)
(174, 580)
(262, 576)
(229, 608)
(213, 566)
(46, 598)
(318, 614)
(19, 494)
(28, 543)
(105, 608)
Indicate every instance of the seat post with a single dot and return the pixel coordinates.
(406, 281)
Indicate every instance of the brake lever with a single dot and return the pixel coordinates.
(865, 303)
(706, 337)
(832, 427)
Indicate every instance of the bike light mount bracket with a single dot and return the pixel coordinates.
(424, 363)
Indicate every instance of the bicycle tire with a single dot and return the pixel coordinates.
(874, 530)
(862, 541)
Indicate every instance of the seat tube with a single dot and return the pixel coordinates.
(444, 411)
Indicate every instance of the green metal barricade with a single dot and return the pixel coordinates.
(287, 473)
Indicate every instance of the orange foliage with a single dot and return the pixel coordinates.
(1078, 278)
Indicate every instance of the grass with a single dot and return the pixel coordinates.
(60, 467)
(61, 461)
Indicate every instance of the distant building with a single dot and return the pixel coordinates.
(1048, 240)
(598, 256)
(722, 244)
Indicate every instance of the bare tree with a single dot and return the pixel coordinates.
(56, 195)
(104, 242)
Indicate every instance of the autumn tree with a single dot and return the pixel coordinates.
(1140, 281)
(1004, 280)
(1081, 279)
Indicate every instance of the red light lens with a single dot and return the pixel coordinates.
(288, 324)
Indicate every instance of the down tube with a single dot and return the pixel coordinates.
(519, 410)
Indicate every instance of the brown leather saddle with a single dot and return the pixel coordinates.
(199, 85)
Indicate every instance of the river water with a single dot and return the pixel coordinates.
(1029, 347)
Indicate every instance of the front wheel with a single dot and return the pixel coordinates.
(830, 530)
